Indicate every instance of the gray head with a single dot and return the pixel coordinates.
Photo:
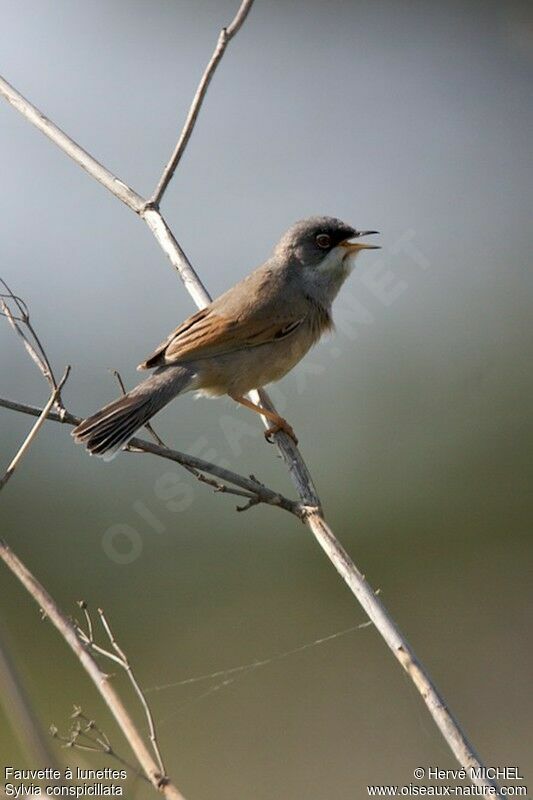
(310, 240)
(319, 250)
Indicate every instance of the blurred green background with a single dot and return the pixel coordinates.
(415, 418)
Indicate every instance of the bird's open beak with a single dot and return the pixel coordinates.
(353, 247)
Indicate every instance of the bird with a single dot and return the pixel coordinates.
(250, 336)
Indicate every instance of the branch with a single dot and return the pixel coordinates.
(35, 349)
(225, 36)
(402, 650)
(123, 660)
(120, 658)
(99, 678)
(251, 487)
(298, 470)
(34, 431)
(71, 148)
(86, 735)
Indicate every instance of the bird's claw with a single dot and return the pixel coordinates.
(281, 426)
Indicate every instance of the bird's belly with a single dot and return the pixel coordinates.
(238, 372)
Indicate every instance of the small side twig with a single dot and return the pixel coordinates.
(119, 657)
(34, 348)
(138, 691)
(34, 431)
(225, 36)
(94, 740)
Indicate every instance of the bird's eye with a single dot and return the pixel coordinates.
(323, 241)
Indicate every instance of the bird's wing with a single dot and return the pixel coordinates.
(210, 332)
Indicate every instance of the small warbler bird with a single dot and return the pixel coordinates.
(248, 337)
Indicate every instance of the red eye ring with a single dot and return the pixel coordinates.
(323, 241)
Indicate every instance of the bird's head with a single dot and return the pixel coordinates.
(322, 250)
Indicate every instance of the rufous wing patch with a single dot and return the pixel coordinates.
(208, 334)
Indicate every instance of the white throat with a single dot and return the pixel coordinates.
(331, 273)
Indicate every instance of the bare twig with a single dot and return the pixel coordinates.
(225, 36)
(34, 431)
(298, 470)
(90, 634)
(69, 146)
(448, 725)
(176, 255)
(248, 487)
(34, 411)
(138, 691)
(88, 730)
(87, 636)
(66, 628)
(35, 348)
(120, 658)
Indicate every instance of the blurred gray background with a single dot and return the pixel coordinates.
(415, 417)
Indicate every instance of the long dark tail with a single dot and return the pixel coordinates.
(111, 428)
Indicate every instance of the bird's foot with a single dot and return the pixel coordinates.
(281, 425)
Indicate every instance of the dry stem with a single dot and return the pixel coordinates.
(225, 36)
(34, 431)
(249, 487)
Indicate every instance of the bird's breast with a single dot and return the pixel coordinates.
(238, 372)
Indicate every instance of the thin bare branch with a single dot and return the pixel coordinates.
(138, 691)
(87, 637)
(176, 255)
(225, 36)
(34, 431)
(96, 647)
(66, 628)
(448, 725)
(70, 147)
(99, 742)
(34, 411)
(83, 605)
(19, 302)
(35, 349)
(249, 487)
(120, 658)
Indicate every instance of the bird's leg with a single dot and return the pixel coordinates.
(280, 424)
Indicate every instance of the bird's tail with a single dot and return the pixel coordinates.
(111, 428)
